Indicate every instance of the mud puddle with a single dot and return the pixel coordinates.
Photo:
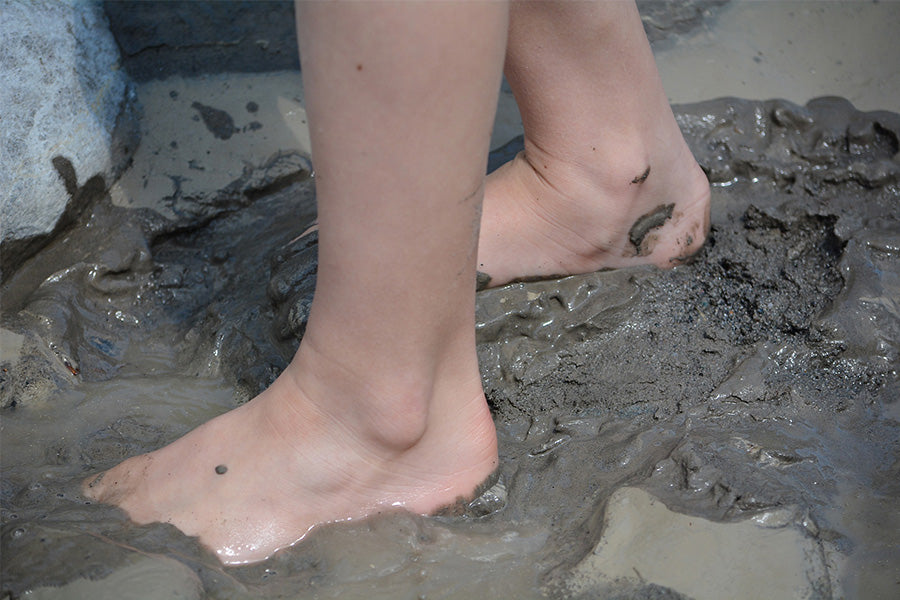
(737, 409)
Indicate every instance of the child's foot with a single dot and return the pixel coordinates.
(547, 215)
(258, 478)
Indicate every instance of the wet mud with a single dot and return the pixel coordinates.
(217, 121)
(752, 393)
(652, 220)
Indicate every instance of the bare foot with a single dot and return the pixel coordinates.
(546, 217)
(619, 205)
(258, 478)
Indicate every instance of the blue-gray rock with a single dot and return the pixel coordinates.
(65, 115)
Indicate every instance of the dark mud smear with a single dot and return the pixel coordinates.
(761, 376)
(217, 121)
(652, 220)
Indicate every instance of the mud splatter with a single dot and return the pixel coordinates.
(217, 121)
(642, 177)
(482, 281)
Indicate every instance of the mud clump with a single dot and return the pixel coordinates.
(662, 19)
(770, 267)
(759, 278)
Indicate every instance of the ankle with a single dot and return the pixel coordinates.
(389, 410)
(586, 202)
(635, 182)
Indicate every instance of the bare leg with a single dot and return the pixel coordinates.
(602, 150)
(382, 406)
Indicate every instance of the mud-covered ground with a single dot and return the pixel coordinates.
(728, 427)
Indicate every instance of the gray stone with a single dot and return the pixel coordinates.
(66, 115)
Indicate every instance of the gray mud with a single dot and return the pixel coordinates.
(756, 386)
(652, 220)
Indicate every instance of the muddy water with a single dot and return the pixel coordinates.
(662, 434)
